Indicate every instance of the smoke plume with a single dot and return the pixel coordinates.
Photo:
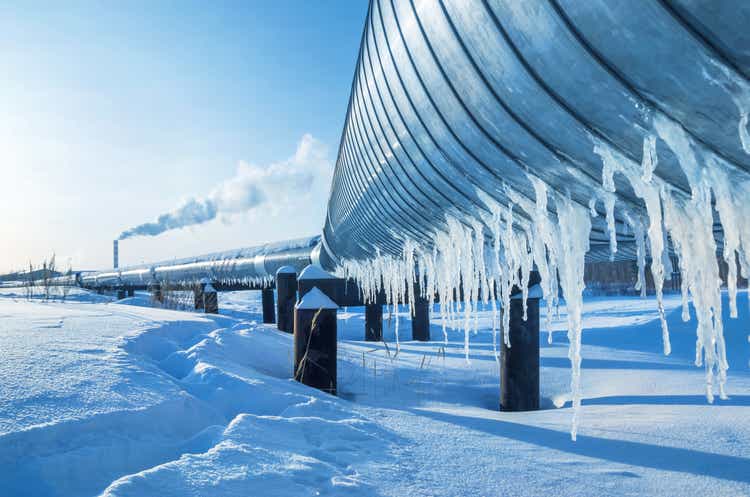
(250, 188)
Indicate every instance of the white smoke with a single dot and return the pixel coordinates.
(251, 187)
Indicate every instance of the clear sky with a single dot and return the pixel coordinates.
(113, 113)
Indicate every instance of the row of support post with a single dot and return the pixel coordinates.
(125, 292)
(315, 327)
(205, 297)
(312, 319)
(315, 331)
(420, 321)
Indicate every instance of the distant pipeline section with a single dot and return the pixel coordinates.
(243, 269)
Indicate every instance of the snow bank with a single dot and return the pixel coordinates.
(127, 400)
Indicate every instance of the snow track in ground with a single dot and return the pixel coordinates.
(128, 400)
(282, 439)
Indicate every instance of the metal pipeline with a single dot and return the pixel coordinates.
(247, 268)
(454, 100)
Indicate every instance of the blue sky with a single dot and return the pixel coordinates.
(116, 112)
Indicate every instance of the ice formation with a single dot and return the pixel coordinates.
(462, 272)
(483, 259)
(688, 221)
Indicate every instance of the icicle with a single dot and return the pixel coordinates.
(479, 280)
(410, 269)
(592, 207)
(608, 175)
(650, 159)
(573, 243)
(744, 134)
(731, 204)
(650, 194)
(609, 206)
(608, 184)
(494, 324)
(527, 263)
(640, 244)
(690, 224)
(545, 250)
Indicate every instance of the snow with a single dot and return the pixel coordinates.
(118, 398)
(315, 299)
(314, 272)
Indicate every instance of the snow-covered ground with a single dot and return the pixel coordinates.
(128, 400)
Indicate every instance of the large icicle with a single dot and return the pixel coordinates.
(734, 211)
(573, 243)
(690, 224)
(650, 193)
(545, 250)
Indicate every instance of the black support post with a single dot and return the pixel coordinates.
(286, 296)
(121, 294)
(420, 321)
(156, 293)
(315, 341)
(316, 277)
(198, 297)
(131, 292)
(373, 322)
(210, 299)
(269, 311)
(519, 363)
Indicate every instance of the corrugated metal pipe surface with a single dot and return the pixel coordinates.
(455, 100)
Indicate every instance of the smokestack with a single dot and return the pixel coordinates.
(115, 254)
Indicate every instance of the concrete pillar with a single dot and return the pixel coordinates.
(286, 296)
(519, 363)
(121, 294)
(210, 299)
(198, 297)
(269, 311)
(315, 341)
(374, 322)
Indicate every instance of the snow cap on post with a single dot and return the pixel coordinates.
(314, 300)
(209, 288)
(286, 270)
(313, 272)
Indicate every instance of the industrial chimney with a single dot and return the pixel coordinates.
(115, 254)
